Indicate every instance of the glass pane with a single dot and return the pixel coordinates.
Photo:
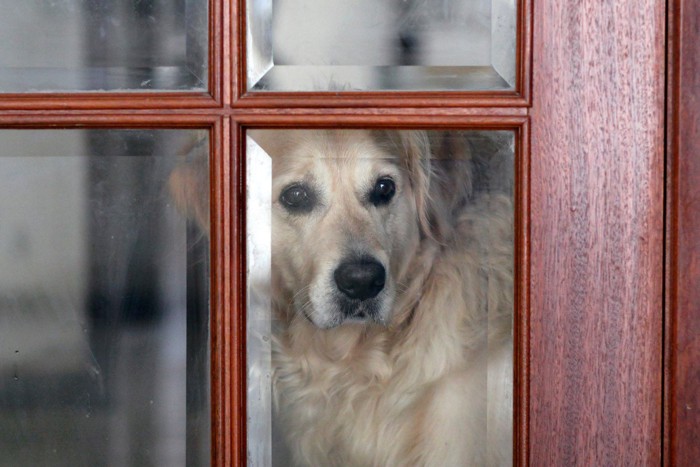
(104, 309)
(375, 45)
(102, 45)
(380, 288)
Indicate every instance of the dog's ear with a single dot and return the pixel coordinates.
(189, 186)
(452, 171)
(417, 160)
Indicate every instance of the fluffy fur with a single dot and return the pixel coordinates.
(428, 380)
(423, 375)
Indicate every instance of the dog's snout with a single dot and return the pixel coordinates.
(361, 280)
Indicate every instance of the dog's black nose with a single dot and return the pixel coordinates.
(361, 279)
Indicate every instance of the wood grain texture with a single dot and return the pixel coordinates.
(378, 99)
(238, 361)
(218, 83)
(521, 323)
(682, 445)
(352, 120)
(371, 114)
(126, 120)
(220, 287)
(219, 271)
(597, 135)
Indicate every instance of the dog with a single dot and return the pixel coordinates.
(392, 299)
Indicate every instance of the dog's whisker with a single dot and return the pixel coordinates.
(298, 294)
(308, 310)
(300, 291)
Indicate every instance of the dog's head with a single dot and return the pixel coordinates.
(348, 214)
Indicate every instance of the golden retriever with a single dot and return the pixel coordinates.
(392, 295)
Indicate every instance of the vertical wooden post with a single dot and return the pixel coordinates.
(682, 421)
(597, 170)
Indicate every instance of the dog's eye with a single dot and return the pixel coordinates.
(297, 198)
(383, 191)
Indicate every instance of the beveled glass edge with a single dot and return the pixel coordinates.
(71, 81)
(258, 306)
(504, 55)
(258, 44)
(405, 78)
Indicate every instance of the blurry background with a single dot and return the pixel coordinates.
(310, 45)
(103, 301)
(95, 45)
(103, 283)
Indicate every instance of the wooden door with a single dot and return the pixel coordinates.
(606, 241)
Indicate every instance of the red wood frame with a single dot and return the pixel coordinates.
(223, 262)
(589, 218)
(682, 365)
(517, 124)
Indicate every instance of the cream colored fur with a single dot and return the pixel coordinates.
(429, 381)
(432, 383)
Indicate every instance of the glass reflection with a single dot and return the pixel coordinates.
(101, 45)
(307, 45)
(380, 297)
(104, 342)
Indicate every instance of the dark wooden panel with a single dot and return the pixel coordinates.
(683, 304)
(596, 232)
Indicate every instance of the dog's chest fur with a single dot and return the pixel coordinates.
(357, 400)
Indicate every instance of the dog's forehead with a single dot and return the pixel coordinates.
(330, 153)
